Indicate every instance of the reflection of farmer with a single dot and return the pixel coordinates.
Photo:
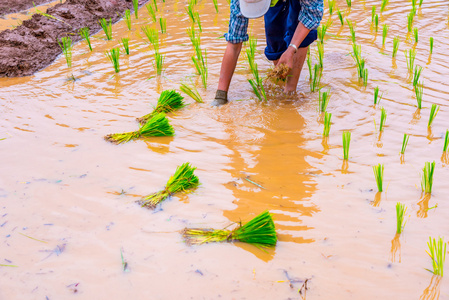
(290, 27)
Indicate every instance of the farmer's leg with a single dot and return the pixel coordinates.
(228, 65)
(298, 62)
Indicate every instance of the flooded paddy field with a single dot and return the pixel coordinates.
(69, 220)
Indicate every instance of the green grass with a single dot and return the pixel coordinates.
(114, 55)
(346, 141)
(85, 34)
(410, 58)
(192, 92)
(419, 93)
(427, 177)
(125, 43)
(169, 101)
(377, 97)
(404, 143)
(415, 33)
(259, 232)
(401, 209)
(66, 46)
(327, 123)
(395, 46)
(151, 12)
(431, 44)
(383, 117)
(183, 180)
(384, 34)
(136, 8)
(340, 17)
(163, 24)
(383, 5)
(433, 113)
(127, 18)
(437, 252)
(446, 141)
(379, 175)
(323, 100)
(107, 28)
(416, 75)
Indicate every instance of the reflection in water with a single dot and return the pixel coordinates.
(377, 199)
(432, 291)
(445, 158)
(395, 249)
(325, 144)
(416, 117)
(344, 167)
(423, 206)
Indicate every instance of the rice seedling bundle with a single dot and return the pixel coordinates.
(331, 4)
(163, 24)
(410, 58)
(114, 55)
(158, 125)
(433, 113)
(437, 252)
(127, 18)
(404, 143)
(446, 141)
(419, 93)
(377, 97)
(184, 179)
(323, 100)
(168, 101)
(383, 5)
(400, 212)
(327, 123)
(349, 3)
(427, 177)
(192, 92)
(416, 75)
(346, 141)
(125, 43)
(259, 232)
(107, 28)
(85, 34)
(340, 17)
(216, 5)
(395, 46)
(151, 12)
(415, 33)
(384, 34)
(136, 8)
(66, 47)
(379, 175)
(383, 117)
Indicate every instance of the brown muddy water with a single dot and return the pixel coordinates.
(67, 197)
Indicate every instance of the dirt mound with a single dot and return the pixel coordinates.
(34, 45)
(13, 6)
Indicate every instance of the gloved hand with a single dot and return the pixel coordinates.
(221, 97)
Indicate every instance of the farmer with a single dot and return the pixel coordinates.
(290, 27)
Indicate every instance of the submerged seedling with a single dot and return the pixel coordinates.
(85, 34)
(433, 113)
(427, 177)
(346, 141)
(158, 125)
(168, 101)
(379, 175)
(400, 213)
(183, 180)
(107, 28)
(192, 92)
(395, 46)
(327, 123)
(127, 18)
(323, 100)
(383, 117)
(66, 47)
(114, 55)
(125, 43)
(437, 252)
(259, 232)
(377, 97)
(404, 143)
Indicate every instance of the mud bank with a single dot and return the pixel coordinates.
(13, 6)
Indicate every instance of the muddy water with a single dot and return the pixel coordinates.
(67, 196)
(12, 20)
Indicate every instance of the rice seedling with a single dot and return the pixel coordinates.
(136, 8)
(419, 94)
(349, 3)
(420, 3)
(431, 44)
(415, 33)
(410, 21)
(427, 177)
(413, 4)
(152, 35)
(327, 123)
(320, 48)
(437, 252)
(151, 12)
(192, 92)
(410, 58)
(200, 63)
(340, 17)
(379, 175)
(384, 34)
(158, 61)
(395, 46)
(168, 101)
(107, 28)
(309, 64)
(323, 100)
(383, 5)
(155, 5)
(127, 18)
(114, 55)
(125, 43)
(257, 82)
(184, 179)
(321, 31)
(376, 22)
(433, 113)
(446, 141)
(404, 143)
(163, 24)
(85, 34)
(365, 77)
(331, 4)
(377, 97)
(216, 5)
(351, 30)
(373, 13)
(416, 75)
(346, 141)
(400, 212)
(383, 117)
(158, 125)
(259, 232)
(316, 78)
(66, 47)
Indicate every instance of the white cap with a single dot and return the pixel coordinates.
(253, 9)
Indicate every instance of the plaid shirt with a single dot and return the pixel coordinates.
(310, 16)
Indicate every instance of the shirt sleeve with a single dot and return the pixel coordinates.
(311, 13)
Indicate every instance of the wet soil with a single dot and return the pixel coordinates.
(12, 6)
(34, 45)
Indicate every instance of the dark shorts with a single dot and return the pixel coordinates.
(281, 21)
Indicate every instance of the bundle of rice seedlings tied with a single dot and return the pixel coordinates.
(107, 28)
(168, 101)
(184, 179)
(346, 141)
(427, 177)
(379, 175)
(259, 232)
(125, 44)
(323, 100)
(401, 209)
(157, 126)
(327, 124)
(192, 92)
(395, 46)
(136, 8)
(127, 18)
(85, 34)
(383, 117)
(114, 55)
(66, 47)
(377, 97)
(446, 141)
(404, 143)
(437, 252)
(433, 113)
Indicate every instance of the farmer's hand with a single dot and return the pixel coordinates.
(287, 58)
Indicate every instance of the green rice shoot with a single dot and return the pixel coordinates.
(158, 62)
(415, 34)
(114, 55)
(351, 30)
(433, 113)
(427, 177)
(157, 126)
(183, 180)
(155, 5)
(379, 175)
(383, 5)
(410, 22)
(340, 17)
(437, 252)
(395, 46)
(410, 58)
(107, 28)
(320, 48)
(431, 44)
(192, 92)
(419, 90)
(416, 75)
(349, 3)
(152, 36)
(151, 12)
(404, 143)
(323, 100)
(376, 22)
(331, 4)
(316, 78)
(125, 44)
(85, 34)
(257, 82)
(384, 34)
(66, 47)
(169, 101)
(346, 141)
(383, 117)
(446, 141)
(327, 123)
(163, 24)
(259, 232)
(377, 97)
(127, 18)
(401, 209)
(216, 5)
(136, 8)
(373, 13)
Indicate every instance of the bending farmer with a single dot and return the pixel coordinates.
(290, 27)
